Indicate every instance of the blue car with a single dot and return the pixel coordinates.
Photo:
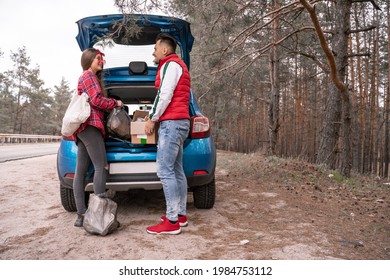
(129, 75)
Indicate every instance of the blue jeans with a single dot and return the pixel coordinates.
(171, 137)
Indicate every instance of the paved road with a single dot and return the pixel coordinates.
(21, 151)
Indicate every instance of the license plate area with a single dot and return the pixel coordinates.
(132, 167)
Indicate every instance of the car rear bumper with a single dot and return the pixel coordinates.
(126, 186)
(125, 182)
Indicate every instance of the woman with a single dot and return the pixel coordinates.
(90, 136)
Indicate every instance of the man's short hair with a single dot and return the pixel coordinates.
(167, 39)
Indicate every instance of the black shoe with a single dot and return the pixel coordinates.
(79, 221)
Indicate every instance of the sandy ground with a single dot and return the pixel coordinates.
(259, 213)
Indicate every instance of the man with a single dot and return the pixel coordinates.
(171, 110)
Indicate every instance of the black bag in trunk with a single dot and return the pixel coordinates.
(118, 124)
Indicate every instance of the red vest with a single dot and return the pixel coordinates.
(178, 107)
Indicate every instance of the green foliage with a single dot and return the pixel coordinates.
(335, 175)
(62, 96)
(26, 105)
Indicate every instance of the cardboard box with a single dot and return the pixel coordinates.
(137, 130)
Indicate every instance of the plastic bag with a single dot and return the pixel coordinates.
(78, 112)
(101, 216)
(118, 123)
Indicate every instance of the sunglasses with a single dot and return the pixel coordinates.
(99, 57)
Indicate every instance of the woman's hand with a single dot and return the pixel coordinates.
(119, 103)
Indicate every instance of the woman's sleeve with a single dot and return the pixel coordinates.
(91, 86)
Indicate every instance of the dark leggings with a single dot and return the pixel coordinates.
(90, 149)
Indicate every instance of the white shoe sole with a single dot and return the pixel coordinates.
(172, 232)
(183, 224)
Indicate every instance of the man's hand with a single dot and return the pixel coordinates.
(149, 126)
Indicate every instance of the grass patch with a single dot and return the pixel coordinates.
(335, 175)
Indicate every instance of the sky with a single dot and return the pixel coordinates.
(47, 28)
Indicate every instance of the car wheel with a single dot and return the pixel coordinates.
(204, 196)
(67, 199)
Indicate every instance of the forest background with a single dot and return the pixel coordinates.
(295, 79)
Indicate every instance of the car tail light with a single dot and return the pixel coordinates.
(200, 127)
(69, 175)
(200, 172)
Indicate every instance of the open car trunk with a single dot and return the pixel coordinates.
(134, 97)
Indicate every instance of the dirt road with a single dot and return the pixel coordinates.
(264, 210)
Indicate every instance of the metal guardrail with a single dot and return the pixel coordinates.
(28, 138)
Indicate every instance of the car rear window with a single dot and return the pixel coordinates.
(119, 55)
(124, 48)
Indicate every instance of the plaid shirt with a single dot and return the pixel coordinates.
(89, 84)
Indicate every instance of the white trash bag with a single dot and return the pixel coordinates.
(101, 215)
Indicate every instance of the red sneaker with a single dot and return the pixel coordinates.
(165, 227)
(181, 219)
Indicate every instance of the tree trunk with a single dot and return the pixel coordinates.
(354, 106)
(386, 160)
(360, 78)
(275, 85)
(374, 104)
(387, 105)
(338, 105)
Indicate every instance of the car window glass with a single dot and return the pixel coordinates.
(118, 55)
